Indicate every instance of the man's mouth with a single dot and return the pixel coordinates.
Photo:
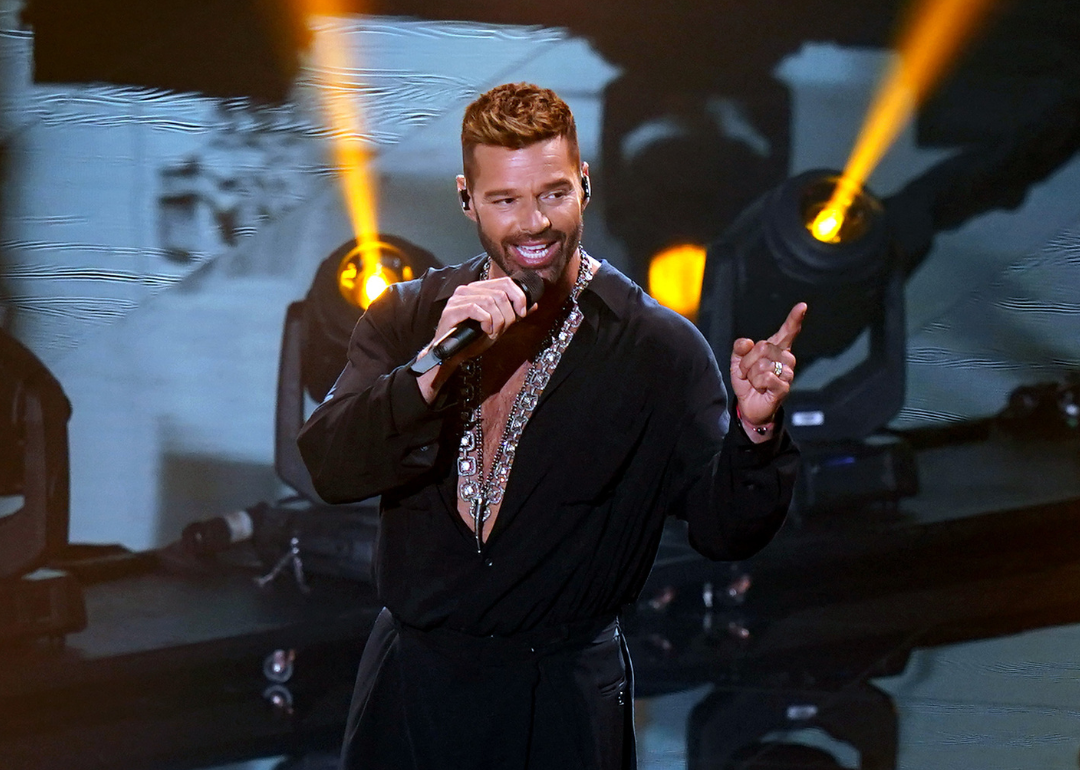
(535, 254)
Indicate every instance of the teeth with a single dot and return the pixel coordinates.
(533, 250)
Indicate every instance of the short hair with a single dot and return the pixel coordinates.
(517, 115)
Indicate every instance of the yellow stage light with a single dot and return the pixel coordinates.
(834, 211)
(935, 33)
(366, 271)
(826, 226)
(374, 286)
(675, 278)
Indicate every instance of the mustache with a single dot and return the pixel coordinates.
(548, 234)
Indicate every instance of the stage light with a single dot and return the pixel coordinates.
(667, 165)
(34, 496)
(339, 539)
(675, 278)
(768, 260)
(34, 413)
(852, 347)
(345, 284)
(366, 271)
(315, 341)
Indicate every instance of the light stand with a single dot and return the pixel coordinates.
(34, 412)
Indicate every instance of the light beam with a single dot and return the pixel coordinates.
(930, 43)
(341, 104)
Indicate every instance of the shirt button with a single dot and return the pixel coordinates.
(488, 562)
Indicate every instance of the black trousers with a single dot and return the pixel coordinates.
(560, 699)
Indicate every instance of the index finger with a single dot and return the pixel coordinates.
(515, 294)
(785, 337)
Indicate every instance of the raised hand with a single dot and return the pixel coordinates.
(496, 304)
(761, 372)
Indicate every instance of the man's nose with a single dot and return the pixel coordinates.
(534, 219)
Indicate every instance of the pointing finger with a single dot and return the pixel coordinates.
(785, 337)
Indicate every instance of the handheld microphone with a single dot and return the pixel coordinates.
(469, 330)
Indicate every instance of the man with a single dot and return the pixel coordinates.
(525, 481)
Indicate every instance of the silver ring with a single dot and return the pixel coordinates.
(777, 368)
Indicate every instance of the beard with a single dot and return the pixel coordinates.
(553, 273)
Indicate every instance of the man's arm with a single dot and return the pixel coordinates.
(374, 431)
(734, 500)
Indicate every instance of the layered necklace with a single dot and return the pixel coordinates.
(480, 492)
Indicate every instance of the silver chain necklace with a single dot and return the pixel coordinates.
(482, 493)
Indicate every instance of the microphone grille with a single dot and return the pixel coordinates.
(532, 285)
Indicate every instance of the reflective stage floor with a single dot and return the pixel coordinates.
(939, 632)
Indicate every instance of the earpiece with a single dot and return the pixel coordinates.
(586, 193)
(464, 195)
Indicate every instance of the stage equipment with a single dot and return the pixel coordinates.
(670, 152)
(34, 412)
(344, 284)
(303, 533)
(315, 340)
(766, 262)
(221, 48)
(748, 727)
(1045, 410)
(314, 348)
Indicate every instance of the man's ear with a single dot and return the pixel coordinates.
(465, 198)
(586, 187)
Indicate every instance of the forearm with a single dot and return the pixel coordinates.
(359, 445)
(740, 500)
(375, 430)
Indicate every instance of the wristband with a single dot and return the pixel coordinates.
(761, 430)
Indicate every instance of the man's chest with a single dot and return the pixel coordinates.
(497, 411)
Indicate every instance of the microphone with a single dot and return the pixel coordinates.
(468, 331)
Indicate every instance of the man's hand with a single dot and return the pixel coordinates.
(760, 385)
(496, 304)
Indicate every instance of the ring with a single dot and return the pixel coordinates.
(777, 368)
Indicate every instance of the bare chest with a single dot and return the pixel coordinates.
(495, 414)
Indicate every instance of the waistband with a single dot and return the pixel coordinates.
(518, 647)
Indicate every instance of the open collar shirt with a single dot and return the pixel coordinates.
(631, 428)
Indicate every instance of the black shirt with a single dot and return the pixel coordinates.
(632, 427)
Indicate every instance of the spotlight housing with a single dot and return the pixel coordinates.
(35, 598)
(338, 297)
(851, 352)
(768, 260)
(315, 339)
(367, 269)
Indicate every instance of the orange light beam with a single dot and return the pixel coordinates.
(341, 106)
(929, 45)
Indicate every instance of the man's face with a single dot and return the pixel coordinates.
(527, 205)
